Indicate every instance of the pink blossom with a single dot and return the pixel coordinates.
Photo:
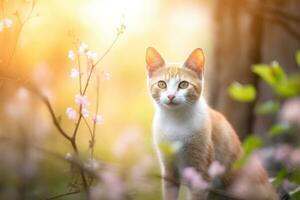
(111, 186)
(85, 113)
(291, 111)
(106, 76)
(7, 23)
(22, 93)
(130, 139)
(98, 119)
(92, 164)
(295, 158)
(83, 48)
(91, 55)
(1, 26)
(68, 157)
(194, 179)
(71, 113)
(139, 173)
(74, 73)
(252, 182)
(282, 152)
(71, 55)
(216, 169)
(82, 100)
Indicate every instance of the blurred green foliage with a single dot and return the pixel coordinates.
(279, 128)
(268, 107)
(243, 93)
(285, 87)
(273, 74)
(298, 58)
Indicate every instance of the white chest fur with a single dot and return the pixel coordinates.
(179, 125)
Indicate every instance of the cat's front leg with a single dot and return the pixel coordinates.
(170, 183)
(170, 190)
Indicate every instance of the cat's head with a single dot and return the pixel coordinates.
(174, 85)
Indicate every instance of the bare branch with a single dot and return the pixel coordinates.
(54, 119)
(63, 195)
(22, 24)
(278, 12)
(261, 12)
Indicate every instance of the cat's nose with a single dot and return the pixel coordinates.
(171, 97)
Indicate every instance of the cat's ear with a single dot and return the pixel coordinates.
(154, 60)
(196, 61)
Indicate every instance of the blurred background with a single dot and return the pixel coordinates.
(35, 40)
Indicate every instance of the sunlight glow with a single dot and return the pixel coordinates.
(106, 14)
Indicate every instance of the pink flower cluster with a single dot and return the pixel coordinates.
(287, 154)
(76, 72)
(291, 111)
(83, 49)
(195, 180)
(5, 23)
(111, 186)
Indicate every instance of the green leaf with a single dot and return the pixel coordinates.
(296, 177)
(169, 149)
(250, 144)
(298, 58)
(282, 174)
(242, 93)
(264, 72)
(272, 74)
(277, 72)
(290, 87)
(295, 195)
(268, 107)
(278, 129)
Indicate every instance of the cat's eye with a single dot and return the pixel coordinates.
(183, 84)
(162, 84)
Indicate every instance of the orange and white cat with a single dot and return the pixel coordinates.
(182, 115)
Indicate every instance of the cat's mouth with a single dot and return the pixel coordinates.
(172, 104)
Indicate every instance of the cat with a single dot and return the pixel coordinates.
(183, 116)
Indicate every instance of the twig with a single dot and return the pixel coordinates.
(258, 11)
(96, 113)
(22, 24)
(54, 119)
(278, 12)
(97, 62)
(79, 69)
(88, 126)
(63, 195)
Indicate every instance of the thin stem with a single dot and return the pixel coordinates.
(88, 126)
(81, 171)
(97, 62)
(22, 24)
(79, 69)
(96, 113)
(54, 119)
(63, 195)
(94, 123)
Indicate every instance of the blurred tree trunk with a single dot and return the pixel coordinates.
(248, 32)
